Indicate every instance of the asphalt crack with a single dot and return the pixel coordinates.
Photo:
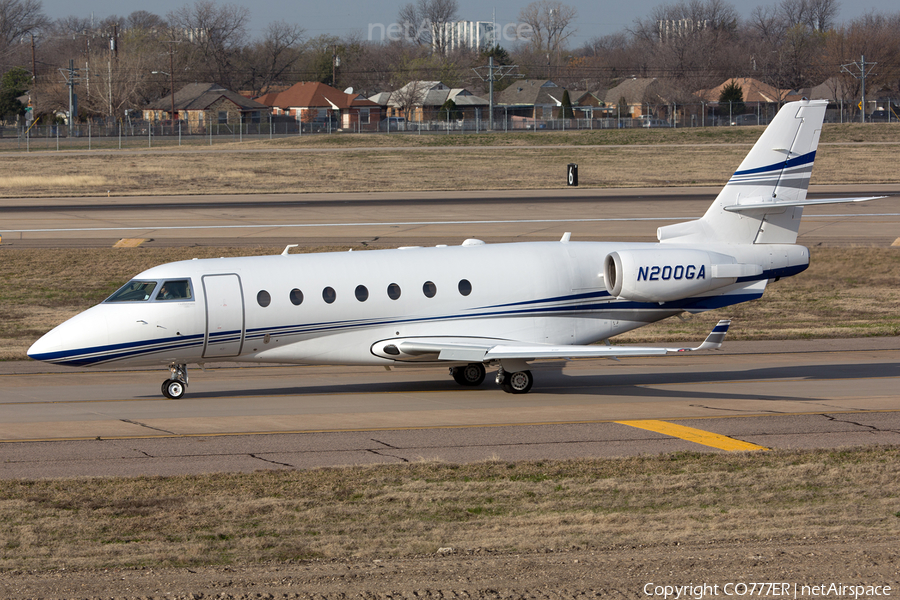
(386, 445)
(272, 462)
(129, 421)
(872, 428)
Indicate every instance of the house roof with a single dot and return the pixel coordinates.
(531, 92)
(637, 90)
(312, 94)
(200, 96)
(430, 93)
(754, 91)
(833, 89)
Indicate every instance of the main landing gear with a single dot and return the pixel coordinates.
(472, 374)
(518, 382)
(176, 385)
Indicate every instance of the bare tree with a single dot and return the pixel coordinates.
(693, 42)
(427, 23)
(143, 20)
(18, 18)
(211, 36)
(550, 22)
(267, 61)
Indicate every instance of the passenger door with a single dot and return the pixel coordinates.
(224, 315)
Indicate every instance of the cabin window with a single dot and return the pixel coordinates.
(329, 295)
(296, 297)
(393, 291)
(263, 298)
(178, 289)
(134, 291)
(429, 289)
(362, 294)
(465, 287)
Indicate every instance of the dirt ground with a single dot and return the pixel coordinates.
(847, 568)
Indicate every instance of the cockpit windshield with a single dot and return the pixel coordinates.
(134, 291)
(138, 290)
(178, 289)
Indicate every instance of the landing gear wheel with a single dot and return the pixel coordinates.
(519, 382)
(470, 375)
(174, 389)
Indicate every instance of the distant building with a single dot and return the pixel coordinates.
(206, 104)
(670, 29)
(314, 102)
(531, 98)
(474, 35)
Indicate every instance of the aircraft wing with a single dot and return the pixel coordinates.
(487, 349)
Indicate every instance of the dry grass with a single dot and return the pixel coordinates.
(846, 292)
(383, 511)
(358, 163)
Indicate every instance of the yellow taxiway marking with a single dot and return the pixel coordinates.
(129, 243)
(698, 436)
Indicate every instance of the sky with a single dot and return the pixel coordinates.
(344, 17)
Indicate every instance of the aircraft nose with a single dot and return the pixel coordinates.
(70, 343)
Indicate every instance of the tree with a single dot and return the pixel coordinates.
(449, 110)
(210, 37)
(565, 107)
(549, 21)
(733, 96)
(501, 56)
(19, 18)
(426, 23)
(15, 82)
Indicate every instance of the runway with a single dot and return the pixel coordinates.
(57, 422)
(803, 394)
(411, 218)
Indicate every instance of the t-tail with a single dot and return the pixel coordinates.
(763, 201)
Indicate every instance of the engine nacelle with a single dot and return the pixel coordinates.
(663, 275)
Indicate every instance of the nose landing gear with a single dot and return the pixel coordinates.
(176, 385)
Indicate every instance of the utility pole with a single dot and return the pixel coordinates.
(494, 73)
(861, 66)
(71, 77)
(33, 76)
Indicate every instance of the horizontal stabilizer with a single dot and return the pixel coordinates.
(754, 204)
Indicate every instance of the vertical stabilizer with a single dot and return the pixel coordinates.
(776, 171)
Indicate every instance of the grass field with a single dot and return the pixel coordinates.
(356, 163)
(416, 509)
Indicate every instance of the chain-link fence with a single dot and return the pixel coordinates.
(98, 135)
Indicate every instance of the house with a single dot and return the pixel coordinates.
(755, 91)
(639, 97)
(201, 104)
(422, 101)
(531, 98)
(314, 102)
(591, 105)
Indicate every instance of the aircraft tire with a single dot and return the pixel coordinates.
(519, 382)
(470, 375)
(173, 389)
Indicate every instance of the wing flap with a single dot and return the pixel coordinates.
(471, 349)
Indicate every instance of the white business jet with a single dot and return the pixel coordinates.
(467, 306)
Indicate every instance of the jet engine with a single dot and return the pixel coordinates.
(663, 275)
